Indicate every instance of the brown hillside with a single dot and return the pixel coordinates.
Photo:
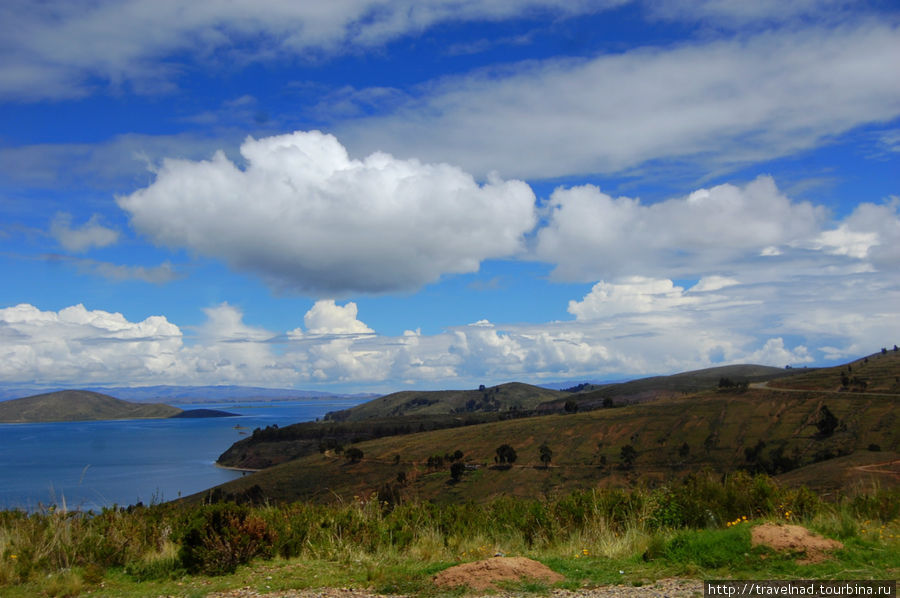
(513, 396)
(759, 429)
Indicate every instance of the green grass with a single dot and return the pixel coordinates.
(592, 538)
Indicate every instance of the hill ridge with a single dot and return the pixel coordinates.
(78, 405)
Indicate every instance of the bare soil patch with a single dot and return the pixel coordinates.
(794, 538)
(486, 574)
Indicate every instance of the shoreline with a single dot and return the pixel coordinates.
(241, 469)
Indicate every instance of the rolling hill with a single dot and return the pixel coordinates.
(513, 396)
(78, 405)
(659, 387)
(770, 430)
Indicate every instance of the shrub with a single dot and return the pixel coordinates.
(506, 455)
(457, 470)
(219, 537)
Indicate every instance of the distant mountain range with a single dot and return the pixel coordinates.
(193, 394)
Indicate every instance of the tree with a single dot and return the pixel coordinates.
(684, 450)
(353, 454)
(827, 422)
(571, 406)
(546, 454)
(506, 455)
(628, 455)
(456, 470)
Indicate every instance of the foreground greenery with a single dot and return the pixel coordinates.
(592, 537)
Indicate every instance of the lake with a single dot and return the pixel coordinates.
(90, 465)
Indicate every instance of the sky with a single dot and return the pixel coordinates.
(376, 195)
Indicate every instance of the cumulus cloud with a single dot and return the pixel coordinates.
(631, 327)
(81, 238)
(717, 103)
(83, 346)
(305, 216)
(326, 317)
(590, 235)
(62, 49)
(634, 294)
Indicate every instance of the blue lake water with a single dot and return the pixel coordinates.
(90, 465)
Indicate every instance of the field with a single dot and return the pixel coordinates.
(699, 528)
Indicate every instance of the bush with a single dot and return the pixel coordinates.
(219, 537)
(506, 455)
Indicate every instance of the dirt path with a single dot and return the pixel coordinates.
(664, 588)
(875, 468)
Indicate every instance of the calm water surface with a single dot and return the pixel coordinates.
(90, 465)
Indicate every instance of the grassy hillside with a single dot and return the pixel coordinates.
(660, 387)
(876, 373)
(757, 429)
(409, 412)
(273, 445)
(505, 397)
(78, 405)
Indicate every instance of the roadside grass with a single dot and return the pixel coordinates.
(697, 529)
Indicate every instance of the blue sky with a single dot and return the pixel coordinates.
(374, 195)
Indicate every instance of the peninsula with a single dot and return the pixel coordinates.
(85, 405)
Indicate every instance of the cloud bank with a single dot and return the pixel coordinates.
(306, 217)
(631, 327)
(719, 103)
(69, 48)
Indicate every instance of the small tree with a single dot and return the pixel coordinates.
(827, 423)
(353, 454)
(546, 454)
(506, 455)
(628, 454)
(456, 470)
(684, 450)
(571, 406)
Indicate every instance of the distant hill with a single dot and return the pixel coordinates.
(78, 405)
(193, 394)
(657, 387)
(513, 396)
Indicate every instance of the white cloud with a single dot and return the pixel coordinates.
(630, 327)
(66, 49)
(719, 103)
(590, 235)
(713, 283)
(80, 239)
(85, 346)
(326, 317)
(305, 216)
(633, 294)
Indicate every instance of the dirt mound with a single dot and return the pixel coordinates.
(794, 538)
(483, 575)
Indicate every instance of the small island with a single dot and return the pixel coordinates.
(85, 405)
